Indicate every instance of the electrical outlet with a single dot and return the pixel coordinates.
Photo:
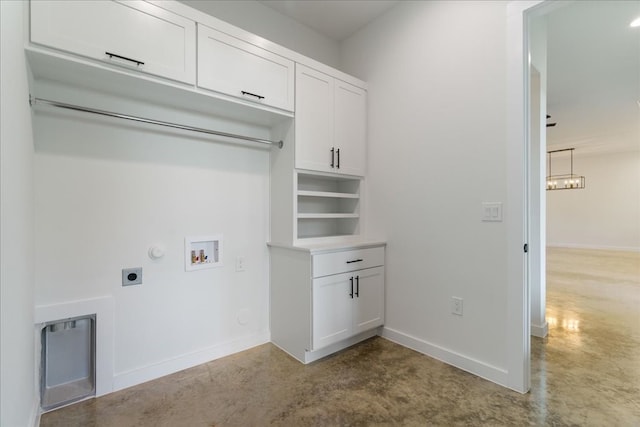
(456, 305)
(132, 276)
(240, 264)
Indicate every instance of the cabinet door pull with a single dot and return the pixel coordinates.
(252, 94)
(338, 154)
(113, 55)
(333, 152)
(355, 260)
(351, 293)
(358, 286)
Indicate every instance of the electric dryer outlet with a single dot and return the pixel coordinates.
(132, 276)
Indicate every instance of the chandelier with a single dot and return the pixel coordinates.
(565, 181)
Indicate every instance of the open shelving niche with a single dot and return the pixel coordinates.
(327, 206)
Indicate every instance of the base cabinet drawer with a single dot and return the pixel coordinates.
(347, 304)
(340, 262)
(234, 67)
(136, 35)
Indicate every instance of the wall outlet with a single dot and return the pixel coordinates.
(456, 305)
(132, 276)
(240, 264)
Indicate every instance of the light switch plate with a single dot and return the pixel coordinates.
(492, 211)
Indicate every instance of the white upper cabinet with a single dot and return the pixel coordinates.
(330, 124)
(135, 34)
(240, 69)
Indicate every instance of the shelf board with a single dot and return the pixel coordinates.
(327, 215)
(328, 194)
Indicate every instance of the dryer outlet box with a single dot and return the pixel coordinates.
(132, 276)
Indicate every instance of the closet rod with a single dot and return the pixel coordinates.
(34, 101)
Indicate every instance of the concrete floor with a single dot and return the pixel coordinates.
(586, 373)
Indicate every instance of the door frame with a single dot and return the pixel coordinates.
(517, 210)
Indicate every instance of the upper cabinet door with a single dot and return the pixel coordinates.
(350, 127)
(136, 35)
(237, 68)
(314, 121)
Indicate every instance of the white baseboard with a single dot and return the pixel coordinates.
(34, 418)
(157, 370)
(596, 247)
(540, 331)
(312, 356)
(476, 367)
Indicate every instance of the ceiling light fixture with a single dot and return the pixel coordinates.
(566, 181)
(635, 23)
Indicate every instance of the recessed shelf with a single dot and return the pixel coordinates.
(327, 215)
(327, 206)
(331, 194)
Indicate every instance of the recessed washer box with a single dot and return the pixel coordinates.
(202, 252)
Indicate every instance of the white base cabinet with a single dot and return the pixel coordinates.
(347, 304)
(325, 299)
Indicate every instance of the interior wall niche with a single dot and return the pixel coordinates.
(68, 371)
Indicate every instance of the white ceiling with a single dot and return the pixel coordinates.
(336, 19)
(593, 76)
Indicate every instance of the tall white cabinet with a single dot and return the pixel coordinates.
(327, 280)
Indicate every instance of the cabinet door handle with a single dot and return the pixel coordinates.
(351, 293)
(333, 152)
(355, 260)
(358, 286)
(113, 55)
(252, 94)
(338, 154)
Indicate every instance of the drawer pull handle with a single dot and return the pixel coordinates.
(333, 156)
(113, 55)
(355, 260)
(252, 94)
(358, 286)
(351, 293)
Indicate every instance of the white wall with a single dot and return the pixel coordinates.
(18, 404)
(259, 19)
(606, 214)
(437, 149)
(107, 190)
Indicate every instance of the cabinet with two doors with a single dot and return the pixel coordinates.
(330, 124)
(323, 300)
(151, 39)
